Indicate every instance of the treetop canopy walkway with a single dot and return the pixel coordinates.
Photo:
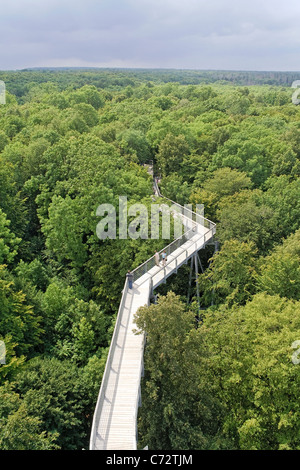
(115, 418)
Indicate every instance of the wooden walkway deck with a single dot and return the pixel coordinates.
(115, 419)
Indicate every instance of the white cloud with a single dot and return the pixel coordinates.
(151, 33)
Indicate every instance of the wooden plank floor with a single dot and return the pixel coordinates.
(115, 428)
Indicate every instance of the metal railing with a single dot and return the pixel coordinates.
(138, 395)
(188, 253)
(137, 273)
(105, 376)
(150, 263)
(188, 215)
(185, 211)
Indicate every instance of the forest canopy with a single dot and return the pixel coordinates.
(71, 140)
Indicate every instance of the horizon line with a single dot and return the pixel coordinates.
(24, 69)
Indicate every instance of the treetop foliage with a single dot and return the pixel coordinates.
(71, 140)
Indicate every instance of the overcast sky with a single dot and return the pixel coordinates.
(184, 34)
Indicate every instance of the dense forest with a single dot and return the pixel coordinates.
(20, 82)
(70, 140)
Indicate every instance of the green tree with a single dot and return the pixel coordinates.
(279, 273)
(171, 152)
(251, 361)
(226, 182)
(179, 410)
(246, 218)
(3, 140)
(8, 241)
(17, 317)
(135, 142)
(87, 94)
(80, 331)
(282, 196)
(12, 361)
(52, 391)
(174, 188)
(230, 277)
(19, 430)
(246, 154)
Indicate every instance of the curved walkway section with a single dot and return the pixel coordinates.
(115, 418)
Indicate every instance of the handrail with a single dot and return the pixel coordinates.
(107, 366)
(179, 205)
(194, 242)
(169, 249)
(141, 367)
(150, 262)
(137, 399)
